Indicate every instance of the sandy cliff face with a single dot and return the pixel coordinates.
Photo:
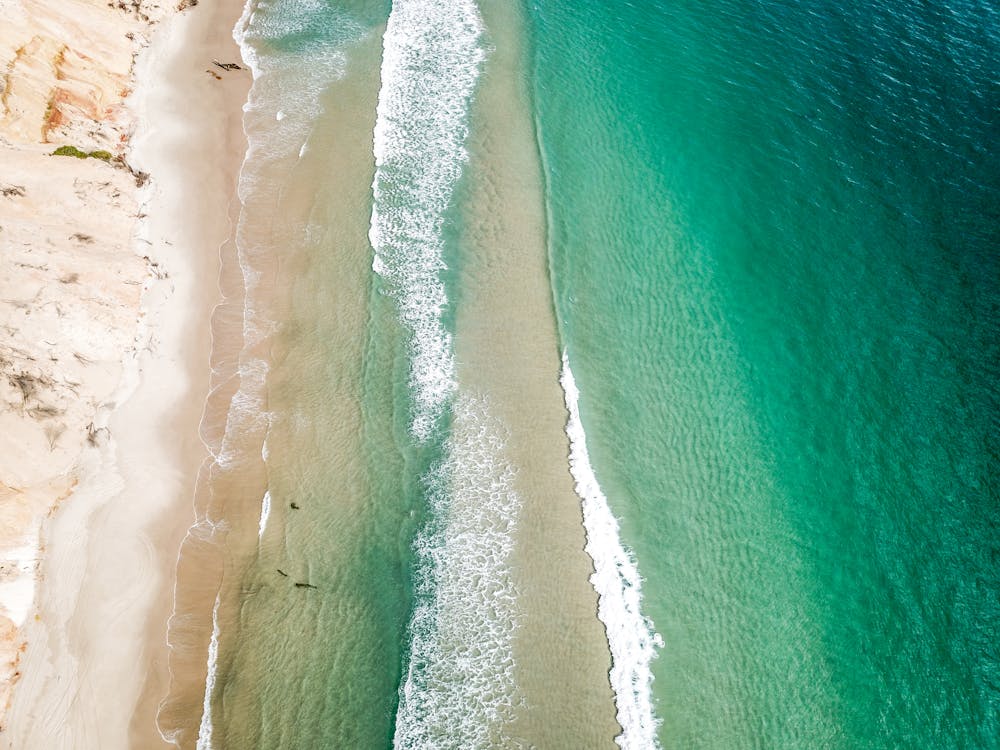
(71, 264)
(66, 68)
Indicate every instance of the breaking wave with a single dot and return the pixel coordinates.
(631, 636)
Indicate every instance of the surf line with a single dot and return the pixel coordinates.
(631, 636)
(205, 728)
(458, 688)
(431, 59)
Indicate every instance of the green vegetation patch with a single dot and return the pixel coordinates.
(70, 151)
(74, 151)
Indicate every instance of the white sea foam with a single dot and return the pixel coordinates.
(205, 728)
(265, 512)
(288, 89)
(432, 53)
(240, 33)
(460, 689)
(289, 85)
(281, 112)
(616, 579)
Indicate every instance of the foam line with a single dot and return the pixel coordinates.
(205, 729)
(631, 636)
(432, 54)
(460, 689)
(265, 512)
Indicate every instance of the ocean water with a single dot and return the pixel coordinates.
(626, 373)
(776, 265)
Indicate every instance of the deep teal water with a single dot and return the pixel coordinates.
(775, 252)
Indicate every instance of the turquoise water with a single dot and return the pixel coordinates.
(773, 243)
(774, 249)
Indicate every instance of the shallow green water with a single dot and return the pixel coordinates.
(319, 665)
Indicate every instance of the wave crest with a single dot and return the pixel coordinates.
(631, 636)
(432, 54)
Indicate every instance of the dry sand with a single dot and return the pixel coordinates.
(106, 290)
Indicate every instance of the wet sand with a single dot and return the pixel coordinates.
(507, 348)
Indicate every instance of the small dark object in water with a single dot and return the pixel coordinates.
(294, 506)
(304, 586)
(282, 572)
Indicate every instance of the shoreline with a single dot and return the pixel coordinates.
(135, 559)
(107, 578)
(214, 146)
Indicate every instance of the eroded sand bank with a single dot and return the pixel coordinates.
(107, 281)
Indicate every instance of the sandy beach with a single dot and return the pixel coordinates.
(109, 279)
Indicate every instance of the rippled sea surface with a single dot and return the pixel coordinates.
(776, 254)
